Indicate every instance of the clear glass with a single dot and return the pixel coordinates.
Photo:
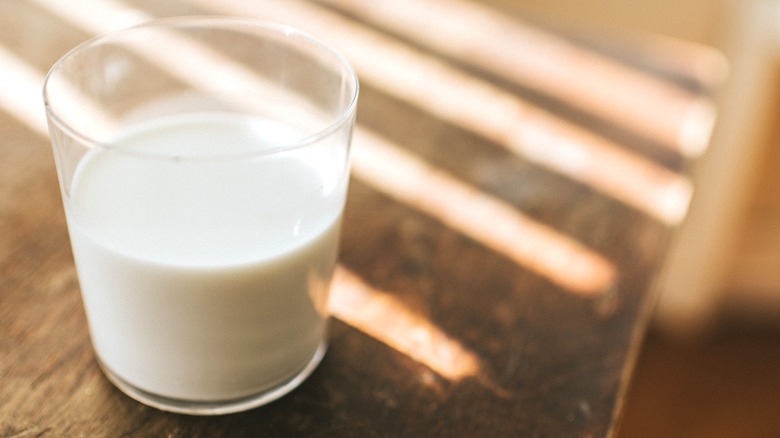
(204, 165)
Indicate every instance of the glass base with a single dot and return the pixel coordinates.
(216, 407)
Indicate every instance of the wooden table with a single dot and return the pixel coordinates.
(514, 192)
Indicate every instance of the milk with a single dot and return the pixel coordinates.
(204, 257)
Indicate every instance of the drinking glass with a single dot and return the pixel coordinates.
(204, 165)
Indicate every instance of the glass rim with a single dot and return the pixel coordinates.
(288, 31)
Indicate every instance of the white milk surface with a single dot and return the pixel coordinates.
(205, 276)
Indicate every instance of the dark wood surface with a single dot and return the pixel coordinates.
(497, 262)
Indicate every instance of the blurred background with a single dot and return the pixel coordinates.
(710, 366)
(725, 263)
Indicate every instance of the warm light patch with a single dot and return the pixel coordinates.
(384, 317)
(480, 216)
(516, 51)
(96, 16)
(20, 86)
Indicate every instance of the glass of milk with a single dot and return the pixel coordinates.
(203, 164)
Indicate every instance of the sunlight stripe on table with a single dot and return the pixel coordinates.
(485, 109)
(493, 41)
(20, 91)
(384, 317)
(96, 16)
(482, 217)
